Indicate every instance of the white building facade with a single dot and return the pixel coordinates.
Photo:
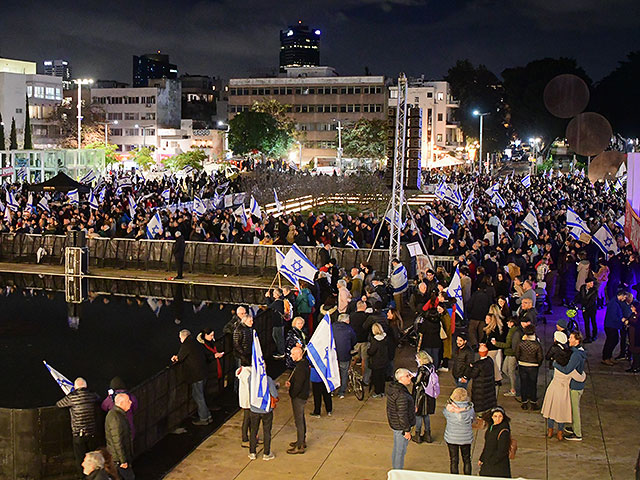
(441, 133)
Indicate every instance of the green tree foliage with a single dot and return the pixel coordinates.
(143, 156)
(278, 111)
(614, 98)
(193, 158)
(524, 88)
(477, 88)
(110, 155)
(13, 136)
(258, 131)
(28, 142)
(65, 118)
(365, 139)
(3, 144)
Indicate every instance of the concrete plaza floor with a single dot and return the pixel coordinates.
(355, 442)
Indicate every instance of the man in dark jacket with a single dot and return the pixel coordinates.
(192, 354)
(613, 322)
(299, 384)
(82, 405)
(178, 252)
(588, 298)
(345, 339)
(93, 466)
(243, 340)
(277, 331)
(530, 356)
(118, 436)
(477, 311)
(462, 360)
(401, 415)
(576, 362)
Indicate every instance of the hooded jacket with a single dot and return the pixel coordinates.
(460, 417)
(576, 362)
(378, 352)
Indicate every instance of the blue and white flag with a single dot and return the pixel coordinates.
(530, 222)
(63, 382)
(132, 206)
(605, 240)
(102, 194)
(467, 213)
(621, 170)
(620, 182)
(352, 244)
(7, 216)
(240, 212)
(278, 204)
(455, 291)
(22, 174)
(393, 217)
(44, 204)
(438, 228)
(74, 196)
(517, 207)
(493, 189)
(582, 172)
(620, 222)
(607, 188)
(321, 351)
(575, 232)
(154, 227)
(285, 271)
(30, 204)
(399, 280)
(297, 263)
(199, 208)
(93, 201)
(498, 200)
(471, 198)
(166, 195)
(526, 181)
(11, 201)
(155, 305)
(89, 177)
(575, 221)
(449, 193)
(254, 208)
(259, 384)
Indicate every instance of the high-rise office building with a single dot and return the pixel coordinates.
(299, 47)
(152, 66)
(58, 68)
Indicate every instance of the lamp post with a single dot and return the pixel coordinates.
(225, 141)
(477, 113)
(80, 82)
(535, 142)
(106, 131)
(339, 128)
(144, 133)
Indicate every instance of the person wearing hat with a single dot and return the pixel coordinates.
(483, 391)
(458, 432)
(562, 325)
(117, 386)
(494, 459)
(588, 298)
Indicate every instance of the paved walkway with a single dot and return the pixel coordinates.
(355, 442)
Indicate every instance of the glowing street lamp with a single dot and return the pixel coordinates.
(80, 82)
(477, 113)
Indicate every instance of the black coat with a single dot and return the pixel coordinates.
(300, 381)
(425, 404)
(178, 247)
(483, 391)
(118, 435)
(462, 359)
(193, 355)
(430, 330)
(82, 406)
(378, 353)
(401, 412)
(242, 343)
(495, 455)
(478, 305)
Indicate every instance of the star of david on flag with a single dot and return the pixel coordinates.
(526, 181)
(289, 275)
(455, 291)
(438, 228)
(605, 240)
(296, 262)
(154, 227)
(321, 351)
(259, 385)
(63, 382)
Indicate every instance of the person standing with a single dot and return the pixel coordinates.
(93, 466)
(265, 416)
(462, 360)
(483, 390)
(345, 339)
(494, 459)
(424, 401)
(117, 386)
(295, 338)
(613, 322)
(194, 358)
(118, 436)
(298, 385)
(588, 298)
(401, 415)
(178, 253)
(399, 282)
(277, 331)
(458, 433)
(576, 387)
(477, 311)
(509, 363)
(378, 355)
(530, 356)
(82, 405)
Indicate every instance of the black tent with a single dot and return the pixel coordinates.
(60, 183)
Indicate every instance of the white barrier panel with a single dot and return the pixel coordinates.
(413, 475)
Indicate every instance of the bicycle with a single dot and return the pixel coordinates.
(355, 381)
(572, 322)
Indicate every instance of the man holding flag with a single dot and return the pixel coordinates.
(298, 385)
(321, 351)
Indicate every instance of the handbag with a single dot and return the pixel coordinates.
(443, 333)
(513, 444)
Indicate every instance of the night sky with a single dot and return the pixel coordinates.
(230, 38)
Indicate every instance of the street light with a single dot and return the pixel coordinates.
(225, 141)
(477, 113)
(339, 152)
(106, 131)
(144, 133)
(80, 82)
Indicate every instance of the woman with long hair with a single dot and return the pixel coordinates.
(494, 330)
(378, 358)
(494, 459)
(425, 403)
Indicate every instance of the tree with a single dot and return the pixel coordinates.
(365, 139)
(279, 112)
(110, 155)
(28, 142)
(13, 136)
(3, 143)
(477, 88)
(143, 156)
(612, 99)
(193, 158)
(66, 118)
(258, 131)
(524, 89)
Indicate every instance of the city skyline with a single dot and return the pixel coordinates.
(229, 39)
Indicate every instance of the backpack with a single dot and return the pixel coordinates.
(513, 444)
(310, 300)
(433, 385)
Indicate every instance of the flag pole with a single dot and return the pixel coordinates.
(379, 231)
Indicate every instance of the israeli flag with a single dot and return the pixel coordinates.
(471, 198)
(154, 227)
(620, 182)
(454, 290)
(11, 201)
(199, 208)
(166, 195)
(501, 231)
(93, 201)
(254, 208)
(438, 228)
(526, 181)
(352, 243)
(222, 188)
(393, 217)
(102, 194)
(124, 182)
(259, 385)
(63, 382)
(89, 177)
(582, 172)
(132, 206)
(467, 213)
(575, 232)
(297, 262)
(399, 280)
(30, 204)
(321, 351)
(493, 189)
(530, 222)
(242, 214)
(498, 200)
(449, 194)
(607, 188)
(278, 204)
(155, 305)
(74, 197)
(517, 207)
(284, 271)
(22, 173)
(44, 204)
(622, 170)
(7, 215)
(605, 240)
(574, 221)
(620, 222)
